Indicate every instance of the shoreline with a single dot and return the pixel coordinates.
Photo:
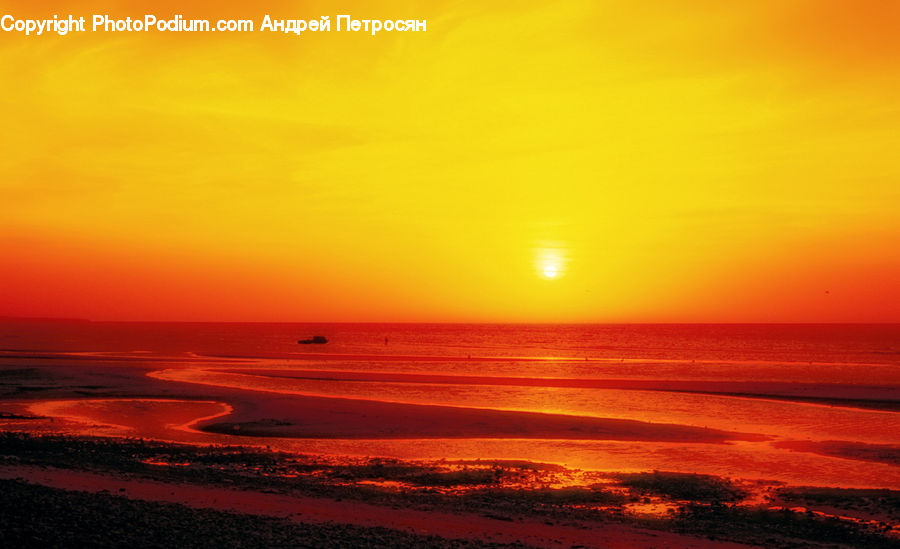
(484, 502)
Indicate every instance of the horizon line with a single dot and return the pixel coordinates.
(456, 322)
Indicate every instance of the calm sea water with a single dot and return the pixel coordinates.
(827, 343)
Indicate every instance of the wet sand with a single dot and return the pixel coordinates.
(220, 403)
(316, 417)
(866, 396)
(878, 453)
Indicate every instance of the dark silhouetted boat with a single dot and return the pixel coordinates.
(316, 340)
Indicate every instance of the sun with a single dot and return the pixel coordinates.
(550, 261)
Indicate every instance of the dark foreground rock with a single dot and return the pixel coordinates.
(37, 516)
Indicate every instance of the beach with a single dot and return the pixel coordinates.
(623, 446)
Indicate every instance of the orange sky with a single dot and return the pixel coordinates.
(694, 161)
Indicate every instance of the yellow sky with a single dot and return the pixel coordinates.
(674, 161)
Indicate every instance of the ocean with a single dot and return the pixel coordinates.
(804, 404)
